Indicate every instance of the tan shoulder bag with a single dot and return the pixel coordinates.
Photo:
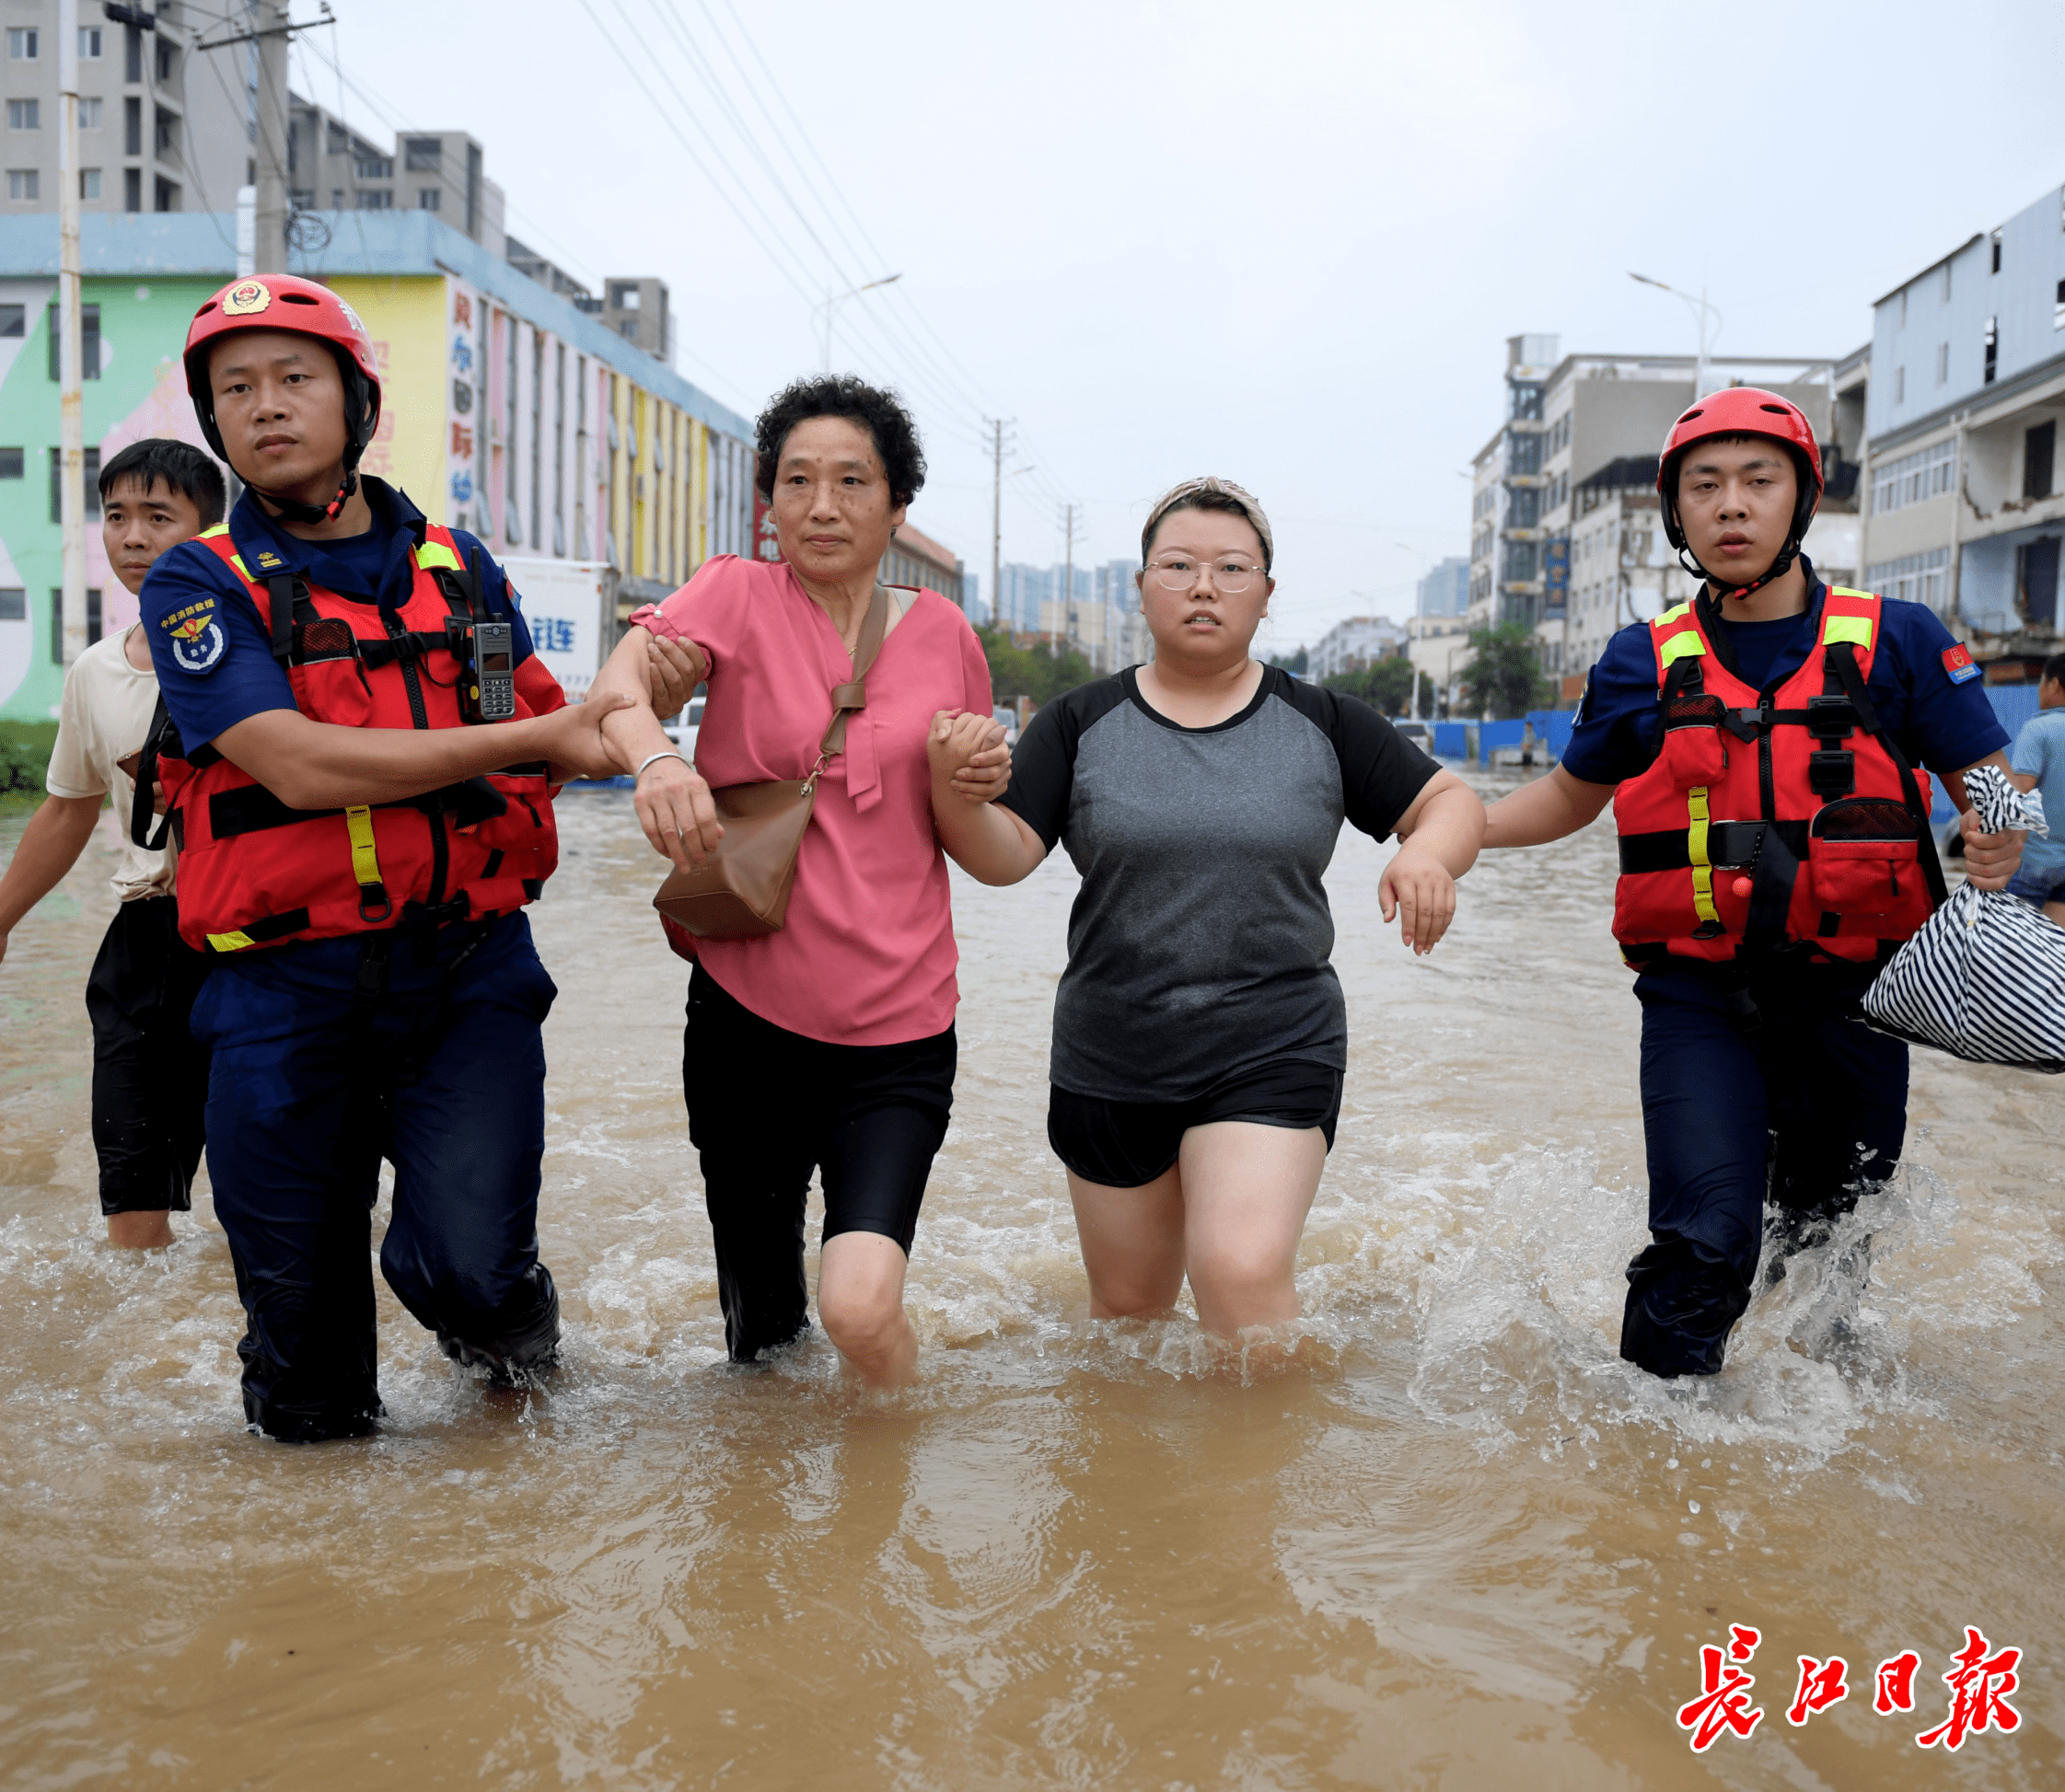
(741, 890)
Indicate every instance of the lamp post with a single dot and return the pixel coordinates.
(1699, 310)
(835, 300)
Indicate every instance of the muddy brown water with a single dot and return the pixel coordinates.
(1457, 1543)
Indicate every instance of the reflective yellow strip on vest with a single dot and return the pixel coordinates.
(1676, 647)
(434, 554)
(209, 535)
(1847, 627)
(366, 862)
(230, 942)
(1677, 613)
(1696, 849)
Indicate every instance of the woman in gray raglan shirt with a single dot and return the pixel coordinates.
(1200, 1032)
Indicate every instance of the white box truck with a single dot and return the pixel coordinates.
(571, 606)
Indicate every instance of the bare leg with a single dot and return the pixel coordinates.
(149, 1231)
(1133, 1244)
(860, 1304)
(1246, 1189)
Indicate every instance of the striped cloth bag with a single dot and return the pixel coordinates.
(1984, 979)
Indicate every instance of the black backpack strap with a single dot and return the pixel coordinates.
(162, 738)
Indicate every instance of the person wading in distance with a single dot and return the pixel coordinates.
(1200, 1030)
(1757, 745)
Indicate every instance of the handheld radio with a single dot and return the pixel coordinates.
(487, 687)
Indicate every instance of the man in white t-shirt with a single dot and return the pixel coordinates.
(150, 1081)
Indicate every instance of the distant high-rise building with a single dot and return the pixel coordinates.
(1445, 590)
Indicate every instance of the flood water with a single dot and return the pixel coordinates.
(1455, 1544)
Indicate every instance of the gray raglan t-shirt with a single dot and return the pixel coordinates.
(1198, 946)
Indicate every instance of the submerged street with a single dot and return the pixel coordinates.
(1455, 1543)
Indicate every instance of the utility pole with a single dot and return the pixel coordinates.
(70, 403)
(1068, 567)
(996, 518)
(269, 239)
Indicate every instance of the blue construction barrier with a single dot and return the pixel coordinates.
(1553, 727)
(1451, 741)
(2014, 704)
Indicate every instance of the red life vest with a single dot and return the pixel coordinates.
(1766, 820)
(255, 872)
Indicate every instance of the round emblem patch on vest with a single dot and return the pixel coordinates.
(245, 297)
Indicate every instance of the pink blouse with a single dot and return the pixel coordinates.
(866, 955)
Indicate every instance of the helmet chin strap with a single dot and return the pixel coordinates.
(1722, 589)
(293, 510)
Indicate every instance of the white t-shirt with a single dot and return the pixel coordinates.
(104, 715)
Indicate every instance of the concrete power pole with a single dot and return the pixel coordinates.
(269, 246)
(1068, 569)
(996, 518)
(70, 403)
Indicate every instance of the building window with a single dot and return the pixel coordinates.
(133, 128)
(92, 484)
(24, 45)
(57, 620)
(22, 184)
(1927, 473)
(90, 115)
(1996, 240)
(421, 154)
(167, 135)
(374, 168)
(25, 115)
(624, 297)
(133, 54)
(1899, 386)
(427, 198)
(165, 197)
(374, 199)
(89, 183)
(2039, 451)
(1917, 579)
(1992, 349)
(90, 43)
(11, 461)
(14, 603)
(1946, 283)
(2058, 314)
(132, 189)
(167, 62)
(1942, 364)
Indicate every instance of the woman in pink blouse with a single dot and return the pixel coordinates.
(828, 1044)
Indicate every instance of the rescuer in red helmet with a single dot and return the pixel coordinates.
(1763, 748)
(360, 769)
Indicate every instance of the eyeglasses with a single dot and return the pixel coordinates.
(1182, 572)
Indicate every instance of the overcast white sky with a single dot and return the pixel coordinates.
(1282, 243)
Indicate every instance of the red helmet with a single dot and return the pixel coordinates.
(1743, 411)
(285, 301)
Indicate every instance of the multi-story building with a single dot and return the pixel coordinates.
(1580, 443)
(1966, 496)
(1354, 644)
(1445, 589)
(914, 558)
(163, 126)
(331, 169)
(636, 308)
(508, 411)
(1095, 609)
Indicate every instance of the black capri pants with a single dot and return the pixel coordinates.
(768, 1106)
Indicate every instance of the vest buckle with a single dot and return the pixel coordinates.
(1832, 774)
(1831, 718)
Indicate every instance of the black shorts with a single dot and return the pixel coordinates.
(1127, 1144)
(768, 1106)
(150, 1081)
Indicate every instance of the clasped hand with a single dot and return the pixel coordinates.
(1990, 860)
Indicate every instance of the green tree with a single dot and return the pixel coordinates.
(1031, 672)
(1504, 677)
(1294, 664)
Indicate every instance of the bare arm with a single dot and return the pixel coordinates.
(317, 765)
(1548, 809)
(990, 843)
(49, 846)
(1440, 835)
(1990, 860)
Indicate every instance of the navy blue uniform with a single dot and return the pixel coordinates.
(1757, 1080)
(428, 1052)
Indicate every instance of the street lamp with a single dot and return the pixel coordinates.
(1699, 310)
(835, 300)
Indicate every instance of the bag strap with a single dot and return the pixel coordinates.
(848, 699)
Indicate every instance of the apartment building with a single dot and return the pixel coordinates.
(1445, 589)
(509, 411)
(330, 168)
(1966, 507)
(1353, 644)
(1579, 444)
(162, 118)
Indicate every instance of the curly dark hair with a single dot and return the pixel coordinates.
(880, 414)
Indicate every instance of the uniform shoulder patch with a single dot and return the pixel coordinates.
(1958, 663)
(196, 634)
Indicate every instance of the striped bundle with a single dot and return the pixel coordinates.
(1984, 979)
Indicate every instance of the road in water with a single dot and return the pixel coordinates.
(1459, 1544)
